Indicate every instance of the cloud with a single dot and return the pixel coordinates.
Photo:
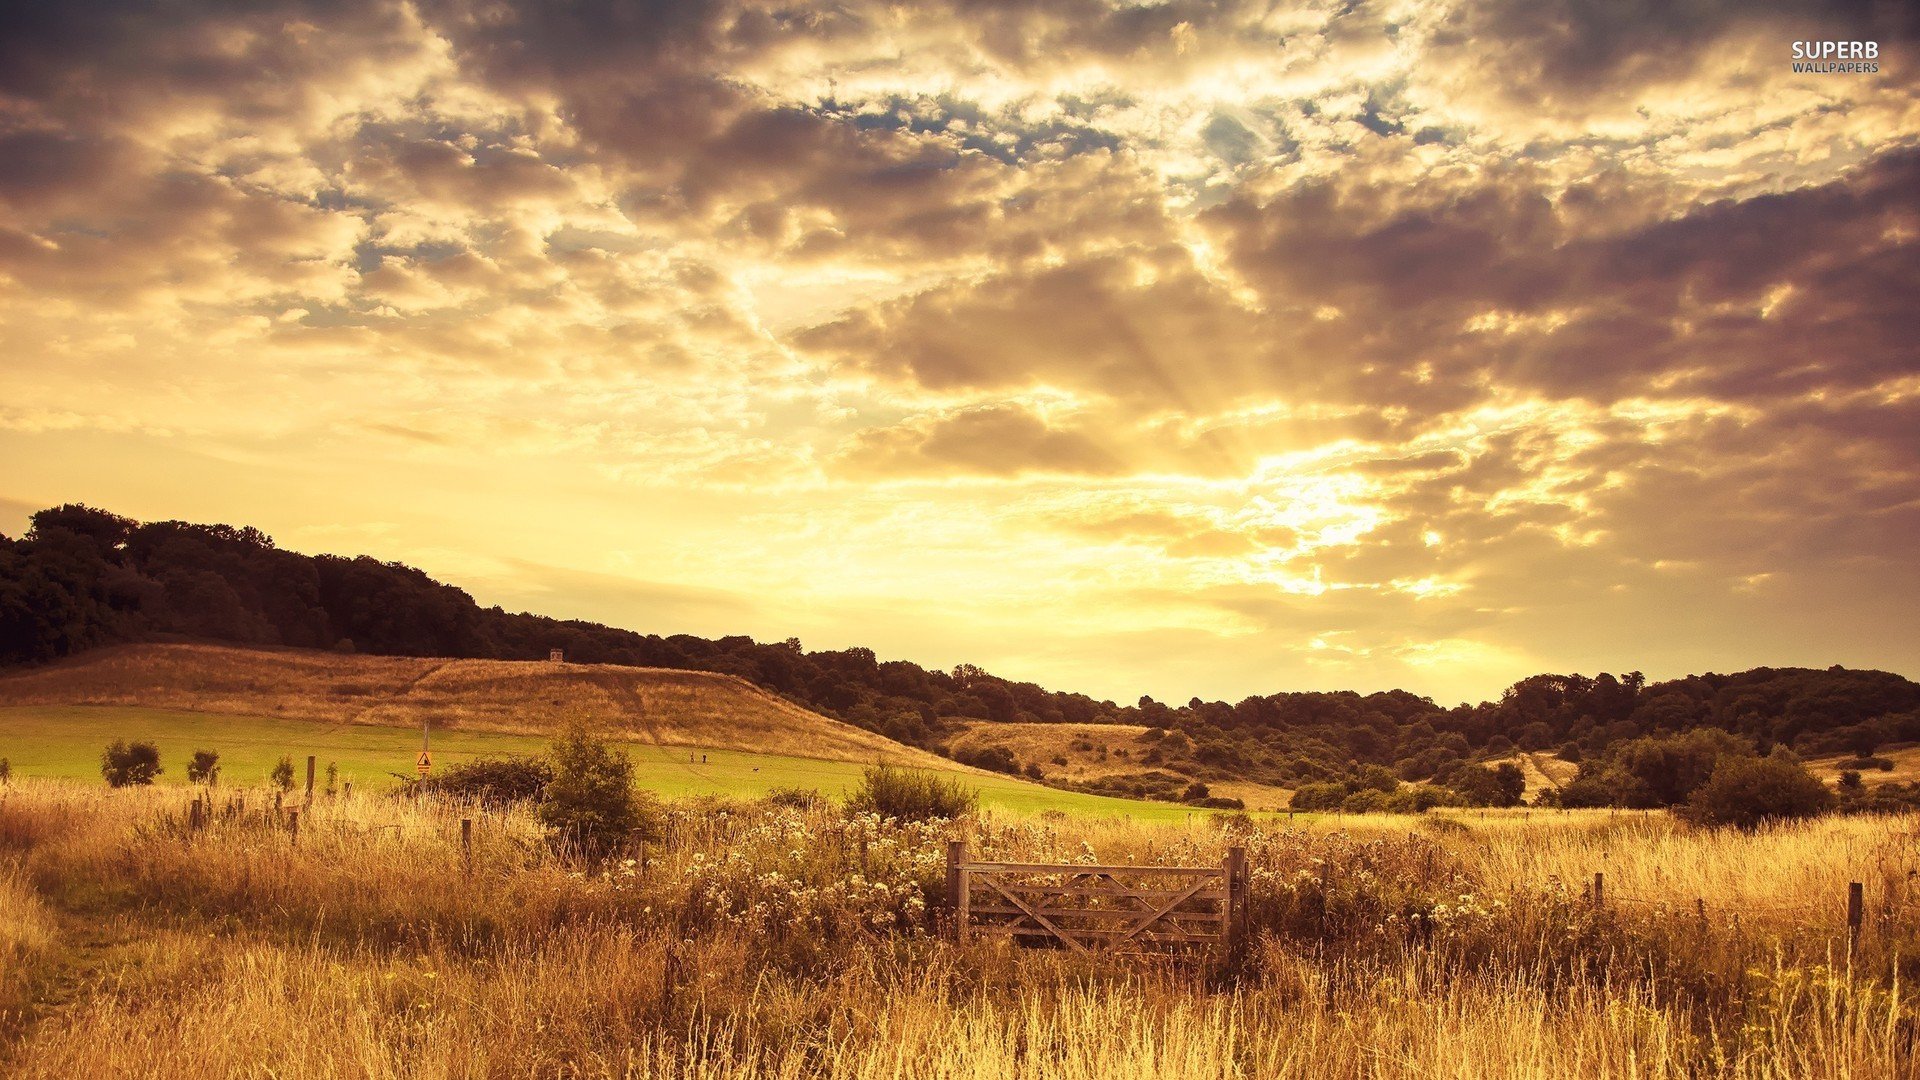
(1449, 336)
(984, 440)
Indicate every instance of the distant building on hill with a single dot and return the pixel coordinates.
(557, 656)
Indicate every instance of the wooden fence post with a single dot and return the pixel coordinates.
(1235, 867)
(293, 825)
(466, 845)
(1856, 912)
(309, 779)
(1599, 889)
(957, 887)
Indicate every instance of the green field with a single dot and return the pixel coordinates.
(66, 740)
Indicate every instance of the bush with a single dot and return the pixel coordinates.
(1481, 785)
(495, 781)
(1366, 801)
(200, 769)
(1218, 802)
(1746, 791)
(590, 802)
(991, 758)
(1318, 796)
(911, 795)
(282, 774)
(1865, 762)
(6, 771)
(794, 798)
(1418, 799)
(1195, 792)
(127, 764)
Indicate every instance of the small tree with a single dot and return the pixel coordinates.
(590, 802)
(1510, 784)
(127, 764)
(1746, 791)
(282, 774)
(333, 779)
(200, 769)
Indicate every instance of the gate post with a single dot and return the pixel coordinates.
(957, 887)
(1235, 868)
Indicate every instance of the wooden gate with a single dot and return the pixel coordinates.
(1088, 908)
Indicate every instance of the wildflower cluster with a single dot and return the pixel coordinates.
(786, 872)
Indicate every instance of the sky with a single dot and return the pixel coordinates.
(1187, 348)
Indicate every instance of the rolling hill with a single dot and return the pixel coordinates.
(644, 705)
(687, 732)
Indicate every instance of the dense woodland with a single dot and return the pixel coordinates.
(82, 577)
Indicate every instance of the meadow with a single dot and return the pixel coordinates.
(755, 938)
(65, 741)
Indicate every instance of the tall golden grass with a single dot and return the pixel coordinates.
(753, 940)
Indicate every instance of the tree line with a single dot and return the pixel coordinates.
(82, 577)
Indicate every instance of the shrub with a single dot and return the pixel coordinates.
(1218, 802)
(127, 764)
(1865, 762)
(282, 774)
(200, 769)
(1418, 799)
(1481, 785)
(795, 798)
(911, 795)
(494, 781)
(1318, 796)
(1850, 782)
(6, 771)
(992, 758)
(1366, 801)
(1195, 792)
(590, 802)
(1378, 778)
(1746, 791)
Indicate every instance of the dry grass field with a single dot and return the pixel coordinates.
(766, 941)
(648, 705)
(1906, 766)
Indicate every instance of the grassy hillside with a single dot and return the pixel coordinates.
(66, 740)
(1089, 752)
(1905, 758)
(644, 705)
